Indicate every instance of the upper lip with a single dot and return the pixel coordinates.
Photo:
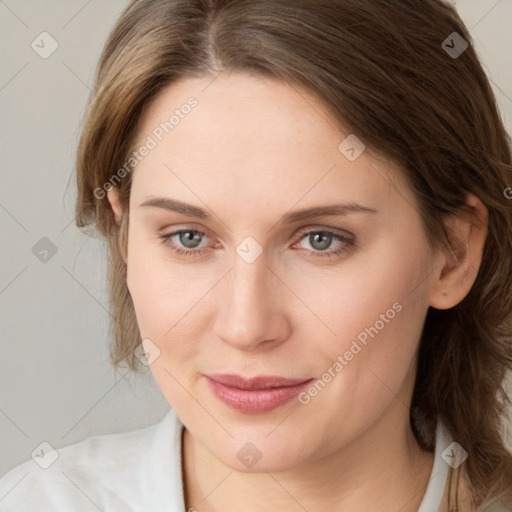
(258, 382)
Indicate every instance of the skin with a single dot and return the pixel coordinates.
(253, 150)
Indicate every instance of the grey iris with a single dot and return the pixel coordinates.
(188, 237)
(322, 244)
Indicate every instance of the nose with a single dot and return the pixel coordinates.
(251, 306)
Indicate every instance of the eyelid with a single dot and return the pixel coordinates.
(174, 229)
(320, 228)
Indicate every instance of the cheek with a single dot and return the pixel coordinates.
(376, 313)
(167, 302)
(374, 309)
(153, 289)
(384, 289)
(170, 299)
(164, 300)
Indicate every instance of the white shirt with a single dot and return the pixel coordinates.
(136, 471)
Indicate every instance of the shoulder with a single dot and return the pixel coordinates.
(88, 475)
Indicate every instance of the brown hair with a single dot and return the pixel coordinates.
(382, 70)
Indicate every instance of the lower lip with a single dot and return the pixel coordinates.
(256, 400)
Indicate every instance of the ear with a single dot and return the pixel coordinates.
(459, 263)
(115, 203)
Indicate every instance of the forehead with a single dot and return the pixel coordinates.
(250, 137)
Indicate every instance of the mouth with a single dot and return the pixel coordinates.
(257, 394)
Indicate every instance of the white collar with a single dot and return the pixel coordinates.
(437, 482)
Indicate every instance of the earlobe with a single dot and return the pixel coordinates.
(115, 203)
(459, 263)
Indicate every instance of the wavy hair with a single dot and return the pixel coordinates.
(384, 69)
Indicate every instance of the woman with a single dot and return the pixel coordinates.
(309, 238)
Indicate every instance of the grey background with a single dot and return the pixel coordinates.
(56, 383)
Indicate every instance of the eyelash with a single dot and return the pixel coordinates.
(349, 243)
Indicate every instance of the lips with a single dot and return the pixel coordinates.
(262, 382)
(257, 394)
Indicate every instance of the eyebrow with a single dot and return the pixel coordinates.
(306, 213)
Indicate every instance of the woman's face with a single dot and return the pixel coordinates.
(336, 300)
